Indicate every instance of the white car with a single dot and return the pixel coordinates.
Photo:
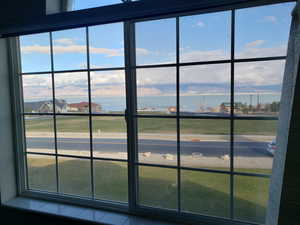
(271, 148)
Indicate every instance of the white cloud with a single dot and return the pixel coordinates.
(270, 19)
(254, 44)
(200, 24)
(65, 41)
(112, 83)
(61, 49)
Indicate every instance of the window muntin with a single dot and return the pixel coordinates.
(176, 177)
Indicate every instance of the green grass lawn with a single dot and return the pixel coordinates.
(153, 125)
(204, 193)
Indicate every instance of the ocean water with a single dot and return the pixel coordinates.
(187, 103)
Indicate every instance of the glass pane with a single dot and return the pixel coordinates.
(156, 42)
(111, 182)
(86, 4)
(35, 53)
(158, 187)
(205, 193)
(39, 134)
(74, 176)
(41, 172)
(255, 29)
(109, 137)
(106, 43)
(258, 87)
(157, 141)
(205, 90)
(71, 93)
(73, 137)
(251, 198)
(205, 143)
(205, 37)
(156, 90)
(37, 93)
(255, 145)
(69, 49)
(108, 91)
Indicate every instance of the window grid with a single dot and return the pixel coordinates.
(232, 117)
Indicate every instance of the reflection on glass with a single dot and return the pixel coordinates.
(255, 145)
(109, 137)
(35, 53)
(74, 176)
(87, 4)
(157, 141)
(71, 93)
(106, 43)
(156, 90)
(251, 198)
(37, 93)
(158, 187)
(205, 37)
(108, 91)
(41, 172)
(156, 42)
(73, 137)
(111, 182)
(39, 134)
(69, 49)
(258, 87)
(205, 143)
(205, 193)
(255, 29)
(205, 90)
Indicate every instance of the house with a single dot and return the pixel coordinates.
(46, 106)
(83, 107)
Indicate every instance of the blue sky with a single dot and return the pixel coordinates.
(260, 32)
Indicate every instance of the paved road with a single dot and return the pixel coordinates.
(206, 148)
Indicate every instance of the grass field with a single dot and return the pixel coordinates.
(150, 125)
(204, 193)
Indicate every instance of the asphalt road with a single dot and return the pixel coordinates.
(206, 148)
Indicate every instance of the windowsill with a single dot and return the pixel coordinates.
(79, 213)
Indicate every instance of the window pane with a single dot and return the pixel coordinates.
(106, 45)
(108, 91)
(251, 198)
(37, 93)
(205, 37)
(258, 87)
(255, 29)
(205, 90)
(156, 42)
(41, 172)
(157, 141)
(205, 193)
(109, 137)
(111, 180)
(86, 4)
(156, 90)
(255, 145)
(39, 134)
(69, 49)
(158, 187)
(71, 182)
(71, 93)
(205, 143)
(73, 137)
(35, 53)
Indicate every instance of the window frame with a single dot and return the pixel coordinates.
(131, 117)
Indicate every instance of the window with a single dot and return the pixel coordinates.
(87, 4)
(190, 120)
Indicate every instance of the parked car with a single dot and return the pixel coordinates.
(271, 147)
